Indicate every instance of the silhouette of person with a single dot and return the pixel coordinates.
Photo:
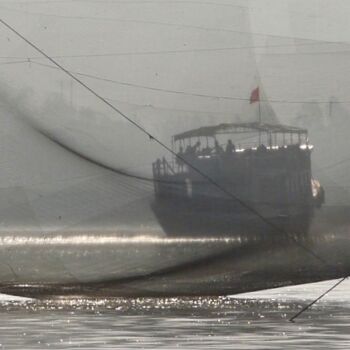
(179, 160)
(218, 148)
(191, 150)
(196, 147)
(230, 147)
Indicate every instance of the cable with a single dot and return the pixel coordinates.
(186, 93)
(29, 60)
(12, 62)
(317, 299)
(131, 2)
(318, 53)
(163, 145)
(128, 2)
(167, 24)
(180, 51)
(145, 86)
(183, 110)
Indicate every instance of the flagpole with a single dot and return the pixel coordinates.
(255, 97)
(259, 120)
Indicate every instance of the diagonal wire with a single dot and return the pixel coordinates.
(317, 299)
(163, 145)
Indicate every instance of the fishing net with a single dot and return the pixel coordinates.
(89, 154)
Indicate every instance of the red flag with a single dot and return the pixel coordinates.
(255, 95)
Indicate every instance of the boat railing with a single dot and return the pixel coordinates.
(176, 166)
(163, 167)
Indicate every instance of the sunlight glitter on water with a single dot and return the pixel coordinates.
(250, 321)
(98, 240)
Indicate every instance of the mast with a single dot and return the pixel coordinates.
(259, 112)
(259, 116)
(255, 97)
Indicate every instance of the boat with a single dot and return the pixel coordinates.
(233, 176)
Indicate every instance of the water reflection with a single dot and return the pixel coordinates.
(246, 322)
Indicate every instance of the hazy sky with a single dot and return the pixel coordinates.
(299, 29)
(171, 65)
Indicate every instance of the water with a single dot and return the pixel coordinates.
(250, 321)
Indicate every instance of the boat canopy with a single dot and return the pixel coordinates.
(239, 128)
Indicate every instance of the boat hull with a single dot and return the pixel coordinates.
(208, 216)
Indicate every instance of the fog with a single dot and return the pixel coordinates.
(169, 66)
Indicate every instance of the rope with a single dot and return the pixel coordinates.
(317, 299)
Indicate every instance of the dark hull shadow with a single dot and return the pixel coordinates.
(183, 218)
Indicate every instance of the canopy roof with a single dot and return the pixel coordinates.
(238, 128)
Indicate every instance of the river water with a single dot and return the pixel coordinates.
(250, 321)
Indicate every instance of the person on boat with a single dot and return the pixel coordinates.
(179, 159)
(218, 148)
(191, 150)
(230, 147)
(262, 148)
(206, 151)
(197, 147)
